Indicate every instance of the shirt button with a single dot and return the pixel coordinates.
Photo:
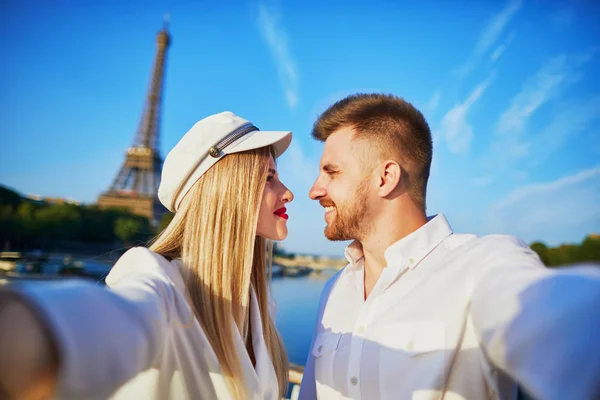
(354, 381)
(320, 348)
(411, 260)
(362, 329)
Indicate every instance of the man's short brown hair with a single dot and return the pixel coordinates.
(393, 125)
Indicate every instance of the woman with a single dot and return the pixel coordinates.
(188, 317)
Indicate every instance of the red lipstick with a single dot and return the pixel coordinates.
(281, 213)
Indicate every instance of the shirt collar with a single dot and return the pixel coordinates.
(354, 252)
(355, 270)
(411, 249)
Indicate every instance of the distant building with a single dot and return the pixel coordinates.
(135, 186)
(304, 258)
(37, 199)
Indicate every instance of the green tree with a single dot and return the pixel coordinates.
(542, 251)
(9, 227)
(59, 221)
(25, 215)
(165, 221)
(98, 224)
(9, 197)
(590, 248)
(558, 255)
(132, 228)
(567, 254)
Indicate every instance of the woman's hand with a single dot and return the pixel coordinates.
(28, 354)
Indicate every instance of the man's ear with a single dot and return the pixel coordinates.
(389, 177)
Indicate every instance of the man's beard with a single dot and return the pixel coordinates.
(351, 220)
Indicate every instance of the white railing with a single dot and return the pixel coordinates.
(295, 377)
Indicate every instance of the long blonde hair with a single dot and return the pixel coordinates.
(214, 234)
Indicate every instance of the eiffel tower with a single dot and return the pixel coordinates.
(136, 185)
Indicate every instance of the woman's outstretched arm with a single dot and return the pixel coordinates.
(83, 340)
(28, 354)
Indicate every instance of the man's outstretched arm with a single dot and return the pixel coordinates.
(539, 326)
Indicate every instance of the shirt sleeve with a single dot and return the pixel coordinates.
(540, 326)
(104, 336)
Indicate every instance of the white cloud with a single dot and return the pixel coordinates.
(566, 207)
(545, 85)
(490, 35)
(482, 181)
(454, 126)
(585, 57)
(498, 51)
(566, 124)
(537, 91)
(276, 38)
(563, 18)
(434, 100)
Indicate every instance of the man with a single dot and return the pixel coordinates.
(421, 312)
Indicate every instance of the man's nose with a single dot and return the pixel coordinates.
(317, 191)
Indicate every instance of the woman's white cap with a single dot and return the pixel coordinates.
(209, 140)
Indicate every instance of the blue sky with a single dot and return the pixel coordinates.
(510, 90)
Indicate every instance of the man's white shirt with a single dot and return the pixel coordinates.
(456, 316)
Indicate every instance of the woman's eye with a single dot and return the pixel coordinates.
(270, 178)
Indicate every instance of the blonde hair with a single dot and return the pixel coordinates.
(214, 235)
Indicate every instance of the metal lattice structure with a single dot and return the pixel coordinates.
(136, 184)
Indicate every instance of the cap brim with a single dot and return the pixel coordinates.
(280, 140)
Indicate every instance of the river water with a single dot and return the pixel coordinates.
(297, 301)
